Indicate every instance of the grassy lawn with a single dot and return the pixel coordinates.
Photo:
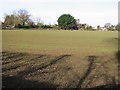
(60, 42)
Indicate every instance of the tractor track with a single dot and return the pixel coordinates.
(40, 67)
(26, 63)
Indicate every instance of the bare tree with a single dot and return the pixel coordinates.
(39, 21)
(23, 16)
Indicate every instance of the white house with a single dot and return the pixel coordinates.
(103, 29)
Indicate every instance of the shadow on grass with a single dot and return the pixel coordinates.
(109, 86)
(17, 82)
(118, 56)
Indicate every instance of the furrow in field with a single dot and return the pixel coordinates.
(53, 66)
(62, 57)
(18, 62)
(10, 68)
(0, 54)
(5, 54)
(43, 66)
(0, 58)
(38, 57)
(14, 60)
(10, 57)
(32, 65)
(26, 62)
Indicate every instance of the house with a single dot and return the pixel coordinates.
(103, 29)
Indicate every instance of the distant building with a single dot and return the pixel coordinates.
(78, 21)
(94, 27)
(103, 29)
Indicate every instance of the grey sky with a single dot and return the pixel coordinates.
(93, 12)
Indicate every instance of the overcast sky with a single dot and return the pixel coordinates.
(93, 12)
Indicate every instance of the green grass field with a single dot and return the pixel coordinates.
(60, 42)
(59, 59)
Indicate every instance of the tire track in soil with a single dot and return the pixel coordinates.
(48, 68)
(91, 60)
(52, 69)
(9, 60)
(7, 54)
(51, 73)
(97, 74)
(26, 63)
(18, 58)
(14, 59)
(96, 68)
(0, 55)
(9, 57)
(28, 71)
(1, 58)
(38, 57)
(3, 53)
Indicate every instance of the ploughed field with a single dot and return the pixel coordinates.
(59, 59)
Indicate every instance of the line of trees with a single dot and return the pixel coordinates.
(21, 19)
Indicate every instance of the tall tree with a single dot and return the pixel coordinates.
(66, 21)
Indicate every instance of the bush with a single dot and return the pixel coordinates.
(27, 26)
(34, 26)
(23, 26)
(45, 26)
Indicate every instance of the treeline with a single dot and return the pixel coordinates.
(21, 19)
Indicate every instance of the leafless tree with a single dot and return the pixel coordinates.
(23, 16)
